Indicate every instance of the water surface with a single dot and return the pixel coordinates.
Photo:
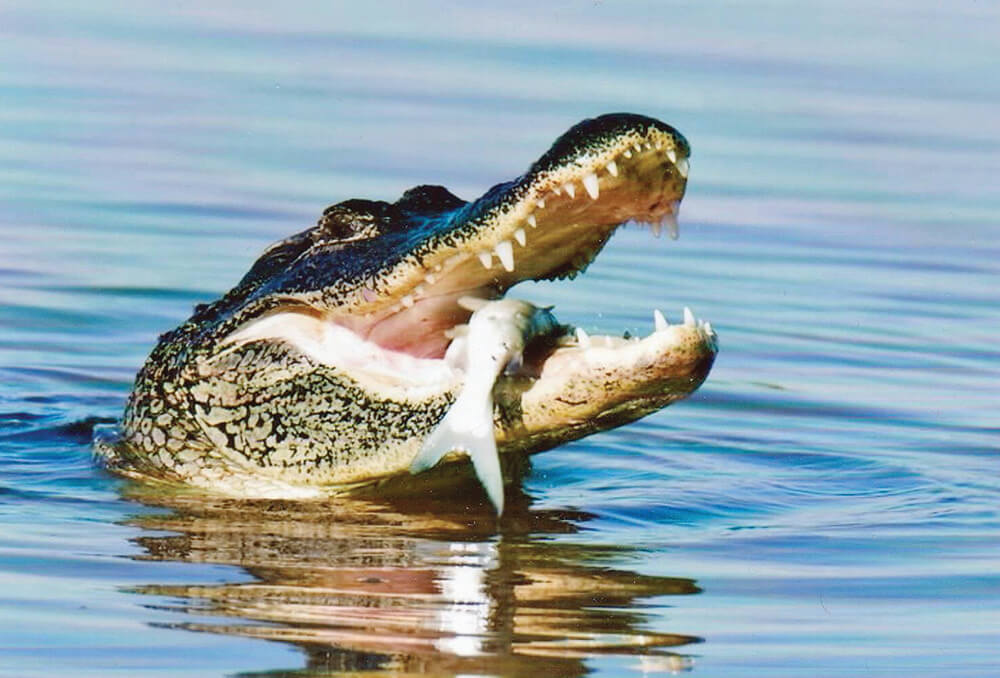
(825, 505)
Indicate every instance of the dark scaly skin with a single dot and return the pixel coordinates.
(264, 418)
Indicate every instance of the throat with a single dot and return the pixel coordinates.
(420, 331)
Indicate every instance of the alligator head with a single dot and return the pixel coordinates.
(323, 368)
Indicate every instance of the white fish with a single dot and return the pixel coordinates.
(495, 338)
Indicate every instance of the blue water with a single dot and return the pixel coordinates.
(826, 504)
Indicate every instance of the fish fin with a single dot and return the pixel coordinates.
(472, 433)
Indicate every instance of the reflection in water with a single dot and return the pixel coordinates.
(412, 587)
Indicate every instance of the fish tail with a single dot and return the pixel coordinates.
(467, 429)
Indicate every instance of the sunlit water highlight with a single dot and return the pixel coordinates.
(827, 504)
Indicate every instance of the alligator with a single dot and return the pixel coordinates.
(323, 370)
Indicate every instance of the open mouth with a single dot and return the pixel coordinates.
(550, 223)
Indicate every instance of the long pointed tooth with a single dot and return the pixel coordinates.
(570, 189)
(656, 227)
(557, 191)
(590, 183)
(532, 221)
(520, 237)
(612, 168)
(708, 328)
(505, 251)
(682, 167)
(541, 203)
(669, 221)
(472, 303)
(659, 321)
(582, 338)
(688, 317)
(407, 301)
(457, 331)
(649, 146)
(627, 153)
(486, 258)
(672, 155)
(637, 147)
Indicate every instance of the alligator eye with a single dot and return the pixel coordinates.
(426, 199)
(353, 220)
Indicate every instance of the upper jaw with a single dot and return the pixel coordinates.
(553, 220)
(549, 223)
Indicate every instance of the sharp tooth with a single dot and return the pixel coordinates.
(659, 321)
(688, 317)
(682, 167)
(627, 154)
(649, 146)
(457, 331)
(590, 183)
(505, 251)
(430, 278)
(472, 303)
(541, 203)
(532, 221)
(582, 338)
(612, 168)
(407, 301)
(672, 155)
(486, 258)
(669, 221)
(570, 189)
(708, 328)
(520, 237)
(657, 229)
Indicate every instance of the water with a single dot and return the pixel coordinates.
(827, 504)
